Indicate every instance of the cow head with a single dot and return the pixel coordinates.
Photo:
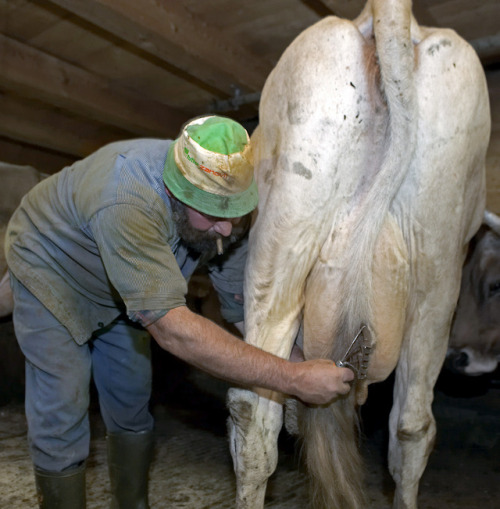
(474, 347)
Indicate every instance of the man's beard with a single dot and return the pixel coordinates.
(202, 242)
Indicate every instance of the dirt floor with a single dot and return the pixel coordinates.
(192, 466)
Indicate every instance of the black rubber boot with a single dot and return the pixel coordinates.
(129, 457)
(61, 490)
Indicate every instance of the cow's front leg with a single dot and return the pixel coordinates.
(255, 422)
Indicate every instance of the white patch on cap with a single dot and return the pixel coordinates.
(220, 174)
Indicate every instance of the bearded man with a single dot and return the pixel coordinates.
(99, 256)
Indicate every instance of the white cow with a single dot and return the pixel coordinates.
(370, 165)
(15, 181)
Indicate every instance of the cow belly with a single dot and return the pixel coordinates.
(390, 299)
(388, 295)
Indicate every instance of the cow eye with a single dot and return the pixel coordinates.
(494, 288)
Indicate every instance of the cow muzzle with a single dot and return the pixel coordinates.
(466, 361)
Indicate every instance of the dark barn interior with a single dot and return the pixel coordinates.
(75, 75)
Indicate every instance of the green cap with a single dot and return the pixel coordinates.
(210, 168)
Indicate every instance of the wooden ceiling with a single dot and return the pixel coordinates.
(76, 74)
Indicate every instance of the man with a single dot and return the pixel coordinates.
(99, 255)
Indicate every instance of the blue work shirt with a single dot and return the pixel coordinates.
(98, 239)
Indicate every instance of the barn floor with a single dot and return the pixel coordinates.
(192, 467)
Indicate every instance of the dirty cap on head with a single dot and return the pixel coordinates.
(210, 167)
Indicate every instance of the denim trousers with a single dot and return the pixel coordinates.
(58, 375)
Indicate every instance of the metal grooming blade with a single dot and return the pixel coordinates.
(357, 356)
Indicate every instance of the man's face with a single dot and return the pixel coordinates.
(200, 231)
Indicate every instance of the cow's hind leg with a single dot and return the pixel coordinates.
(445, 212)
(254, 426)
(412, 425)
(256, 417)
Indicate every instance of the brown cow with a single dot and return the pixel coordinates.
(474, 347)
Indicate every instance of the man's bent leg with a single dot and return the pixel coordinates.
(121, 363)
(57, 399)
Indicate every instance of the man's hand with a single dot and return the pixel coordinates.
(320, 381)
(209, 347)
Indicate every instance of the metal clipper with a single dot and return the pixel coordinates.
(357, 356)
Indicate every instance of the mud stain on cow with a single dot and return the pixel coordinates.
(299, 169)
(434, 48)
(296, 168)
(296, 113)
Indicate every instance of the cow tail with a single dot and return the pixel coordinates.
(329, 437)
(330, 434)
(392, 21)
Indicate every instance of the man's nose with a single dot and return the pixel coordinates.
(223, 227)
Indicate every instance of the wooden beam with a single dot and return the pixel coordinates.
(46, 161)
(39, 75)
(171, 33)
(487, 48)
(319, 7)
(34, 123)
(340, 8)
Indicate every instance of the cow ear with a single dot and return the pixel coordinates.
(492, 220)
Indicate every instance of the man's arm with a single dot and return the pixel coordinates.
(207, 346)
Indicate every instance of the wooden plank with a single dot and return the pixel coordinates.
(47, 161)
(487, 48)
(320, 7)
(64, 35)
(343, 9)
(33, 123)
(45, 77)
(168, 31)
(472, 20)
(24, 18)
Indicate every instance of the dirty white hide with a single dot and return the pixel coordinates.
(15, 182)
(370, 166)
(474, 347)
